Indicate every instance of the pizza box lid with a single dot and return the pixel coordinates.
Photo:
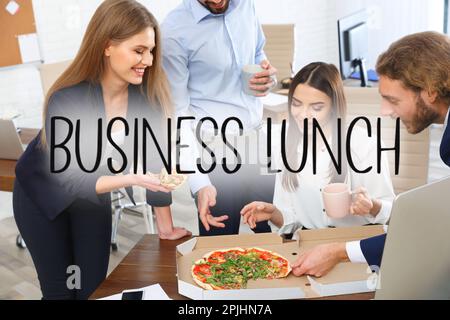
(190, 251)
(344, 278)
(312, 237)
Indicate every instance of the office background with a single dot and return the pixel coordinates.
(61, 24)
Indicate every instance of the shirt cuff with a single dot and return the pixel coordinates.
(385, 213)
(289, 225)
(260, 57)
(198, 181)
(354, 252)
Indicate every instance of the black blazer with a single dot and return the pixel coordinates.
(445, 144)
(54, 192)
(372, 249)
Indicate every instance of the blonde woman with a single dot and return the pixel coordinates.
(61, 205)
(317, 93)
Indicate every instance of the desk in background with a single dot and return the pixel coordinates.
(8, 167)
(357, 83)
(279, 112)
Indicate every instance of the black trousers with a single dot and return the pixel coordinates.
(236, 190)
(77, 240)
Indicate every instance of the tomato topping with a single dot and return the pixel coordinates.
(266, 256)
(202, 269)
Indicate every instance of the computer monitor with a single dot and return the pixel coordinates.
(354, 45)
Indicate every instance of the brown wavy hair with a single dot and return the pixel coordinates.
(421, 62)
(115, 21)
(327, 79)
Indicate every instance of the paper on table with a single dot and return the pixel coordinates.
(153, 292)
(12, 7)
(29, 47)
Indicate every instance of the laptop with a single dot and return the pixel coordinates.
(416, 258)
(11, 147)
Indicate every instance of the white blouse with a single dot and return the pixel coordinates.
(119, 139)
(304, 207)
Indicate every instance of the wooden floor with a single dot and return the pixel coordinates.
(18, 278)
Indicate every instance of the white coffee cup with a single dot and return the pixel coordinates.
(248, 73)
(337, 200)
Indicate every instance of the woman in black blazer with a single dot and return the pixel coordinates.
(114, 83)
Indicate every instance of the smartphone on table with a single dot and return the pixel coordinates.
(133, 295)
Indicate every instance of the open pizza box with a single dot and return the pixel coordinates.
(194, 249)
(277, 289)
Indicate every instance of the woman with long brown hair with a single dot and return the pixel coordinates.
(62, 205)
(317, 93)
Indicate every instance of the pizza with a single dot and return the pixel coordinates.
(232, 268)
(171, 181)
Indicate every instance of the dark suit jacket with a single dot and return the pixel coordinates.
(445, 145)
(372, 248)
(53, 192)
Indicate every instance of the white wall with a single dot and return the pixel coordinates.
(316, 23)
(391, 20)
(61, 24)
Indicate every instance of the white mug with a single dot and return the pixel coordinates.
(248, 72)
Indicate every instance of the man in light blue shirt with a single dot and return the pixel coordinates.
(206, 43)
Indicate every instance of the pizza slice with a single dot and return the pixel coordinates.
(171, 181)
(201, 272)
(279, 265)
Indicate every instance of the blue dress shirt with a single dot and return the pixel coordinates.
(203, 55)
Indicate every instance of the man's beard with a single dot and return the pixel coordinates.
(217, 11)
(423, 118)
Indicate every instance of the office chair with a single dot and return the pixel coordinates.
(119, 204)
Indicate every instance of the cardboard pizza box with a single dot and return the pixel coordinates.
(276, 289)
(344, 279)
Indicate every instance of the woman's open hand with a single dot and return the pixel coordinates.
(257, 211)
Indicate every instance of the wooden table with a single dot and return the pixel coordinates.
(7, 167)
(152, 261)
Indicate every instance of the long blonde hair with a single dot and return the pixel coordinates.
(115, 21)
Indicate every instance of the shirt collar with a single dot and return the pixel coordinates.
(446, 118)
(200, 12)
